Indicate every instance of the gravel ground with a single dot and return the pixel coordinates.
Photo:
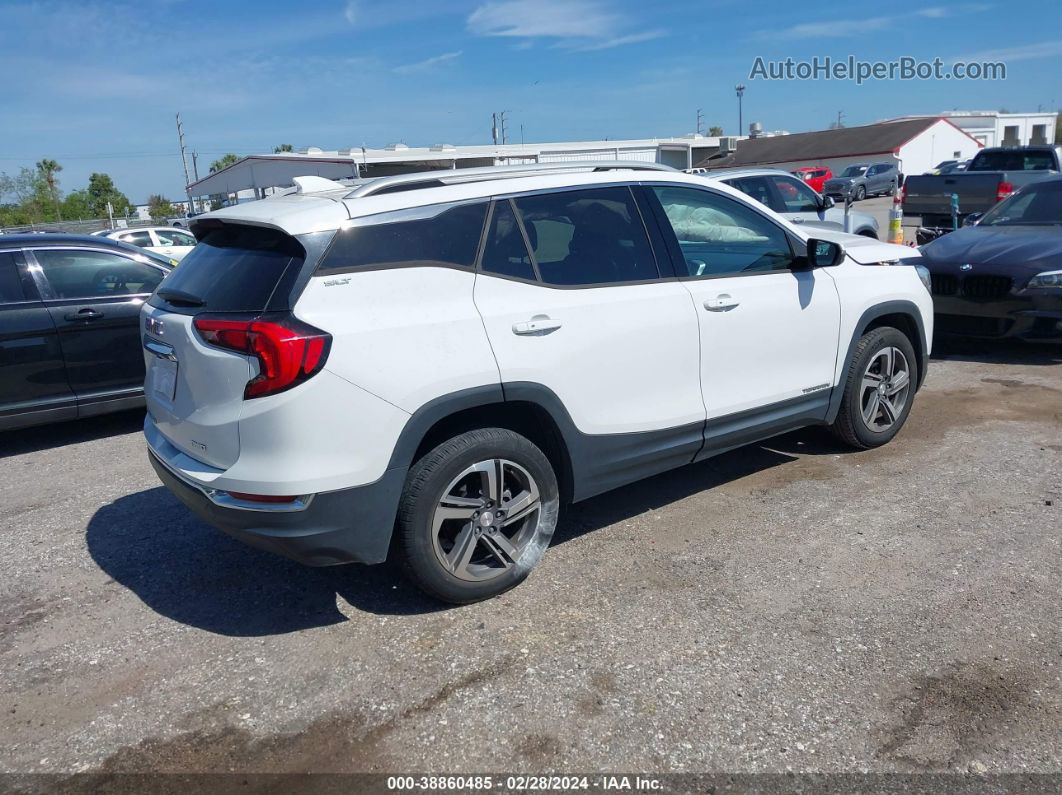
(788, 606)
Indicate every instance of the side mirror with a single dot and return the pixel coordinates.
(971, 219)
(824, 253)
(827, 202)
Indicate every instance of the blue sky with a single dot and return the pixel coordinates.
(96, 85)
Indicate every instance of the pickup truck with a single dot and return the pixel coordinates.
(992, 175)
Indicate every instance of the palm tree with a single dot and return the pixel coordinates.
(223, 162)
(48, 169)
(283, 148)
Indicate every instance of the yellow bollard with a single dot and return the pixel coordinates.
(896, 221)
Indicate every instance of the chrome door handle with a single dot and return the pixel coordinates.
(538, 326)
(721, 303)
(84, 314)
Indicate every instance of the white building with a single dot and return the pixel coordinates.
(255, 176)
(998, 128)
(914, 146)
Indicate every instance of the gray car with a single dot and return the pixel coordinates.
(792, 198)
(863, 179)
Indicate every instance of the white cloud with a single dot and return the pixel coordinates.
(1024, 52)
(844, 28)
(351, 11)
(576, 24)
(427, 63)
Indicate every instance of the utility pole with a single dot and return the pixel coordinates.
(740, 89)
(700, 120)
(840, 115)
(494, 128)
(504, 130)
(184, 163)
(195, 165)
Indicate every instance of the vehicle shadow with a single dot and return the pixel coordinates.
(60, 434)
(996, 351)
(189, 572)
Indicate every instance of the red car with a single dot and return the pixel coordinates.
(814, 176)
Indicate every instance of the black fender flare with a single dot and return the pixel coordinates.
(898, 307)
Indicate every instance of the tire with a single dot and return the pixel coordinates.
(861, 193)
(892, 189)
(888, 411)
(454, 544)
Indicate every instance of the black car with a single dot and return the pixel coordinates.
(69, 326)
(1002, 275)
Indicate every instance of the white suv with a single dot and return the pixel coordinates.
(448, 357)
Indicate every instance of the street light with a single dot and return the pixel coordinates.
(740, 88)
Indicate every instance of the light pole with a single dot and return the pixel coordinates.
(740, 89)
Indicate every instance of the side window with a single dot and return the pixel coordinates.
(76, 273)
(142, 239)
(758, 188)
(592, 236)
(721, 237)
(171, 237)
(506, 253)
(11, 283)
(444, 235)
(796, 196)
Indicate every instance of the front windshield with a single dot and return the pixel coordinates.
(854, 171)
(1039, 204)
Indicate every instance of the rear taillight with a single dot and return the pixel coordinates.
(1003, 190)
(288, 350)
(903, 193)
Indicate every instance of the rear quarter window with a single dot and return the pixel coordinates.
(439, 235)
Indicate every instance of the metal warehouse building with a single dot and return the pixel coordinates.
(913, 145)
(255, 176)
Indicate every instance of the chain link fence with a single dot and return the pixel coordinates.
(83, 227)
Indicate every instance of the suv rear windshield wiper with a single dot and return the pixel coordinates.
(180, 297)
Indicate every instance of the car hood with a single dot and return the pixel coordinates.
(1013, 250)
(867, 250)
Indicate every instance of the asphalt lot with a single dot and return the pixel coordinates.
(789, 606)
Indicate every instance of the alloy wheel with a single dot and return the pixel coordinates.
(885, 389)
(485, 519)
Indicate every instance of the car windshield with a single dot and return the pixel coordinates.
(854, 171)
(1039, 204)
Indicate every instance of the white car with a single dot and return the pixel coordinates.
(794, 199)
(165, 241)
(449, 357)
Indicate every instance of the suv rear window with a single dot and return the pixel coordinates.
(237, 268)
(445, 235)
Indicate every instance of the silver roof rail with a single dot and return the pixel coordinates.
(432, 179)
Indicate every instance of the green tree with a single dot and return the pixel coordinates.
(223, 162)
(715, 132)
(1058, 130)
(47, 169)
(159, 207)
(283, 148)
(101, 190)
(78, 204)
(26, 198)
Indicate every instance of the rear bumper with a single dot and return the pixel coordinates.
(1037, 318)
(345, 526)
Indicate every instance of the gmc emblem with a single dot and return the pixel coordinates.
(153, 326)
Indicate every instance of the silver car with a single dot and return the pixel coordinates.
(791, 197)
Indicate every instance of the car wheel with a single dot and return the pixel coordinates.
(892, 189)
(861, 193)
(867, 233)
(879, 389)
(476, 515)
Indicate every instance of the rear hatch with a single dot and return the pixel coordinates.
(195, 391)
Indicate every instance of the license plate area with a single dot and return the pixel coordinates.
(164, 378)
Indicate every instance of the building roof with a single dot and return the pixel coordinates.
(869, 140)
(268, 170)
